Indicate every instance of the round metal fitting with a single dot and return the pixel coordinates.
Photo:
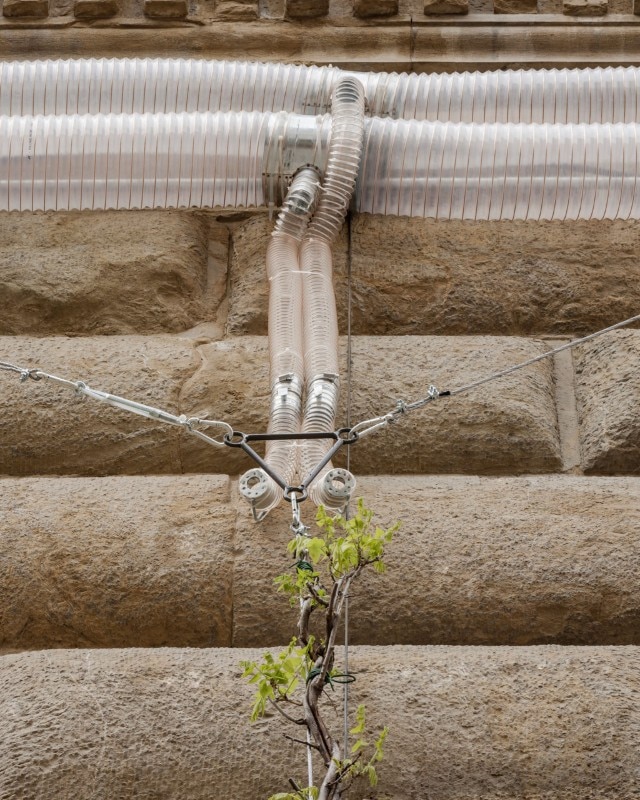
(253, 484)
(338, 484)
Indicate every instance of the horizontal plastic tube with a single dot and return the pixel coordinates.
(409, 168)
(130, 161)
(490, 172)
(116, 86)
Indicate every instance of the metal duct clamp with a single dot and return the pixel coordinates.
(291, 144)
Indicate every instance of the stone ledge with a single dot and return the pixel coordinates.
(494, 430)
(132, 561)
(522, 723)
(477, 561)
(608, 392)
(109, 272)
(484, 42)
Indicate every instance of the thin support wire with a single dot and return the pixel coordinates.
(345, 687)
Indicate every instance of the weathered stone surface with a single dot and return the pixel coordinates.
(515, 6)
(46, 429)
(249, 289)
(34, 9)
(166, 9)
(116, 562)
(237, 10)
(421, 276)
(585, 8)
(446, 7)
(522, 723)
(132, 561)
(499, 429)
(109, 272)
(477, 561)
(608, 390)
(296, 9)
(375, 8)
(95, 9)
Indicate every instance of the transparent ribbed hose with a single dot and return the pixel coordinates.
(319, 306)
(131, 161)
(115, 86)
(285, 344)
(491, 172)
(127, 161)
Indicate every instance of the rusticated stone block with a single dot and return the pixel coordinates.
(304, 9)
(375, 8)
(551, 560)
(526, 723)
(515, 6)
(534, 560)
(166, 9)
(495, 430)
(421, 276)
(46, 429)
(585, 8)
(95, 9)
(437, 7)
(124, 562)
(608, 390)
(490, 277)
(109, 272)
(33, 9)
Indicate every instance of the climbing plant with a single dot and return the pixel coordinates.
(296, 681)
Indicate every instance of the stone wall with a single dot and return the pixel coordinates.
(131, 573)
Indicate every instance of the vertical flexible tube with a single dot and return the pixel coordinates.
(318, 299)
(285, 343)
(126, 86)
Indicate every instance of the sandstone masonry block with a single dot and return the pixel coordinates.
(515, 6)
(237, 10)
(95, 9)
(496, 430)
(585, 8)
(523, 723)
(422, 276)
(303, 9)
(534, 560)
(166, 9)
(109, 272)
(608, 389)
(46, 429)
(130, 561)
(125, 561)
(375, 8)
(436, 7)
(33, 9)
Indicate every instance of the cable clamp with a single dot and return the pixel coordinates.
(433, 392)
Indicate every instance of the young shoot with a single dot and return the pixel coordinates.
(293, 682)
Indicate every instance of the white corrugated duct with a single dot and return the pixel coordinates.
(160, 85)
(121, 134)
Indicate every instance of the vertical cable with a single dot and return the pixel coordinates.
(347, 509)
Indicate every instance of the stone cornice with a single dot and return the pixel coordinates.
(475, 42)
